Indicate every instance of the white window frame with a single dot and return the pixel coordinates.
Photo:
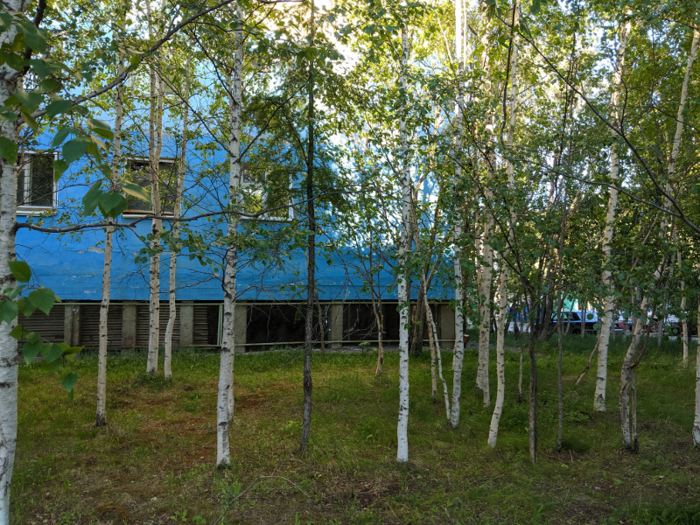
(25, 171)
(135, 214)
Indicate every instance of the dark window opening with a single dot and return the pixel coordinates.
(35, 181)
(139, 172)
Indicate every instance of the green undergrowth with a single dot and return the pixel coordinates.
(155, 460)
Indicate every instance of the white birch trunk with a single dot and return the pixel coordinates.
(485, 269)
(435, 344)
(101, 415)
(155, 145)
(8, 345)
(684, 321)
(225, 402)
(696, 423)
(458, 358)
(503, 278)
(404, 246)
(172, 304)
(607, 281)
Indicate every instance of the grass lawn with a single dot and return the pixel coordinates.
(154, 462)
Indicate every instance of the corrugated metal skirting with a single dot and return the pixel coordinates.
(50, 327)
(90, 325)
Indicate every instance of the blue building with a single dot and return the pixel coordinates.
(271, 300)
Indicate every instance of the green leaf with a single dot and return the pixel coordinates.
(32, 347)
(596, 326)
(101, 128)
(30, 101)
(136, 191)
(58, 107)
(535, 7)
(68, 382)
(8, 311)
(91, 198)
(25, 307)
(74, 149)
(15, 61)
(49, 85)
(14, 292)
(112, 204)
(20, 270)
(30, 121)
(61, 135)
(8, 150)
(43, 299)
(8, 116)
(59, 168)
(19, 332)
(69, 352)
(6, 20)
(32, 36)
(93, 150)
(51, 352)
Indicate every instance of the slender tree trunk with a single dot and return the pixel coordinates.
(225, 395)
(560, 397)
(485, 269)
(379, 316)
(311, 246)
(458, 357)
(155, 145)
(8, 219)
(520, 371)
(607, 281)
(435, 348)
(321, 324)
(696, 423)
(433, 357)
(101, 415)
(533, 399)
(417, 324)
(684, 321)
(172, 304)
(627, 372)
(503, 278)
(500, 355)
(404, 247)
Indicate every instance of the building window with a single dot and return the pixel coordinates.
(267, 190)
(139, 172)
(35, 186)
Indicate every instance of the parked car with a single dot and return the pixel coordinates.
(573, 318)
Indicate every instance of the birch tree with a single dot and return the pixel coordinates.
(311, 244)
(225, 399)
(404, 247)
(696, 422)
(484, 274)
(155, 147)
(503, 269)
(177, 207)
(458, 358)
(101, 416)
(9, 82)
(607, 281)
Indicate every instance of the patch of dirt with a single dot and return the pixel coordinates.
(113, 512)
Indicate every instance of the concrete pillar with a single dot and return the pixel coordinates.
(446, 320)
(336, 324)
(240, 326)
(186, 323)
(129, 325)
(71, 325)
